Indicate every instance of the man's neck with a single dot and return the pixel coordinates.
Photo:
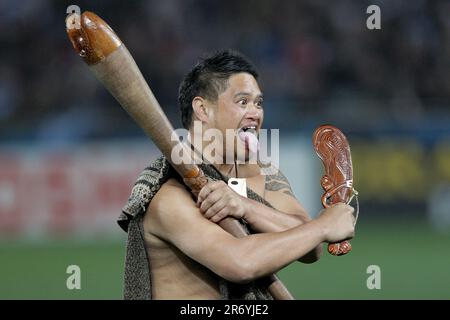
(244, 170)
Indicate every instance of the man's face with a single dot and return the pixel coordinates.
(239, 107)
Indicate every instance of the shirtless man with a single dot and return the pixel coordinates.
(187, 250)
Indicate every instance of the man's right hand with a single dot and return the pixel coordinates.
(338, 222)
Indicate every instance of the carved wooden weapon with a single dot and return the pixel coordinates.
(333, 149)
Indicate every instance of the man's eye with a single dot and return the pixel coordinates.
(242, 102)
(259, 103)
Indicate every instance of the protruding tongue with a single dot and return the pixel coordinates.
(250, 140)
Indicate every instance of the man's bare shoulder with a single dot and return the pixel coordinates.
(277, 182)
(279, 193)
(171, 195)
(171, 202)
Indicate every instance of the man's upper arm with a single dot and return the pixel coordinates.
(283, 198)
(173, 216)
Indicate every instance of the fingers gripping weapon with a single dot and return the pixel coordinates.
(333, 149)
(113, 65)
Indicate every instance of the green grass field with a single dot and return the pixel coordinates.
(414, 262)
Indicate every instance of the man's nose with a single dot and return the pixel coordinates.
(253, 112)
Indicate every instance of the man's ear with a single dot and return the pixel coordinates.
(200, 109)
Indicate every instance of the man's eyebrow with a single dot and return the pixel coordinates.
(242, 93)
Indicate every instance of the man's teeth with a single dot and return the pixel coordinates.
(249, 128)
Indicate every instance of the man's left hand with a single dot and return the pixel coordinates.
(217, 200)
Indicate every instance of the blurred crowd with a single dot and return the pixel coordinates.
(317, 60)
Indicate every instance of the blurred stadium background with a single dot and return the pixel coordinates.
(69, 154)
